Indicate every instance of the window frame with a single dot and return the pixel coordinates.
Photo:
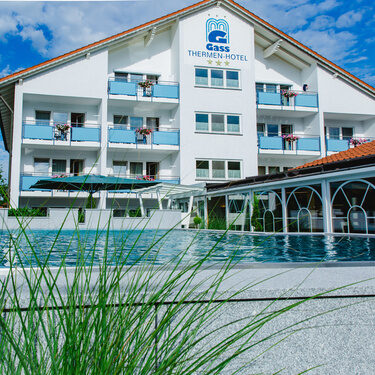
(226, 169)
(225, 78)
(226, 115)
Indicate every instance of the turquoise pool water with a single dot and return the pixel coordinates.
(127, 247)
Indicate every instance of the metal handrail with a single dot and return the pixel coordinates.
(158, 82)
(54, 123)
(134, 128)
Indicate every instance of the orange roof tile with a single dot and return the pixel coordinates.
(366, 149)
(263, 22)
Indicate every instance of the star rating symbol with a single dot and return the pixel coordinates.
(227, 63)
(218, 62)
(209, 62)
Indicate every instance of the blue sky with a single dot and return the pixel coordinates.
(31, 32)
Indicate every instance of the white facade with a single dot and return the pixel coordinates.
(215, 116)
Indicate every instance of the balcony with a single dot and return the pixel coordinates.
(166, 138)
(37, 131)
(303, 100)
(302, 145)
(337, 145)
(159, 91)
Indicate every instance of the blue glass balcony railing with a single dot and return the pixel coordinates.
(337, 145)
(166, 90)
(46, 131)
(303, 99)
(279, 143)
(167, 137)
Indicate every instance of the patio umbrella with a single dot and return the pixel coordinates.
(92, 183)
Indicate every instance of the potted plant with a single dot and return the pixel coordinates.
(145, 178)
(61, 131)
(287, 95)
(143, 133)
(147, 87)
(289, 140)
(357, 141)
(197, 222)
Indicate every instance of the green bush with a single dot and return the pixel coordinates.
(256, 224)
(197, 221)
(27, 212)
(217, 223)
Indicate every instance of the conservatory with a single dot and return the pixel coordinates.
(335, 194)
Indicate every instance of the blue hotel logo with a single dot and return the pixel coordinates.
(217, 35)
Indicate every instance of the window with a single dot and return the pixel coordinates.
(261, 129)
(76, 166)
(272, 170)
(233, 79)
(202, 168)
(41, 166)
(60, 118)
(218, 123)
(135, 77)
(347, 133)
(136, 122)
(152, 123)
(201, 77)
(334, 133)
(271, 87)
(201, 122)
(261, 170)
(58, 166)
(119, 167)
(42, 117)
(234, 169)
(136, 169)
(218, 169)
(272, 130)
(217, 78)
(152, 77)
(286, 129)
(259, 87)
(77, 119)
(220, 78)
(121, 76)
(233, 124)
(120, 120)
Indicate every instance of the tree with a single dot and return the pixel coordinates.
(255, 216)
(4, 196)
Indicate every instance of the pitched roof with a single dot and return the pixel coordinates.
(176, 14)
(366, 149)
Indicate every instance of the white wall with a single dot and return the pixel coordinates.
(155, 59)
(231, 147)
(81, 78)
(338, 96)
(275, 70)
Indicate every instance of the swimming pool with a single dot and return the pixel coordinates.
(127, 247)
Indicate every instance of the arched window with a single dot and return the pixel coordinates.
(353, 206)
(305, 209)
(269, 213)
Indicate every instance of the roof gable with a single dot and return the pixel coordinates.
(185, 11)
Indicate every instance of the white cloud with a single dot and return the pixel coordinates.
(322, 23)
(331, 44)
(349, 19)
(37, 38)
(5, 72)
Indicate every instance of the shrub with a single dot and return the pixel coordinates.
(27, 212)
(255, 215)
(197, 221)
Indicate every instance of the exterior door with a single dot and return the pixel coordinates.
(76, 167)
(152, 169)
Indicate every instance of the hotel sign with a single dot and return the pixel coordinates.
(217, 42)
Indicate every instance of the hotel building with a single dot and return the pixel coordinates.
(208, 94)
